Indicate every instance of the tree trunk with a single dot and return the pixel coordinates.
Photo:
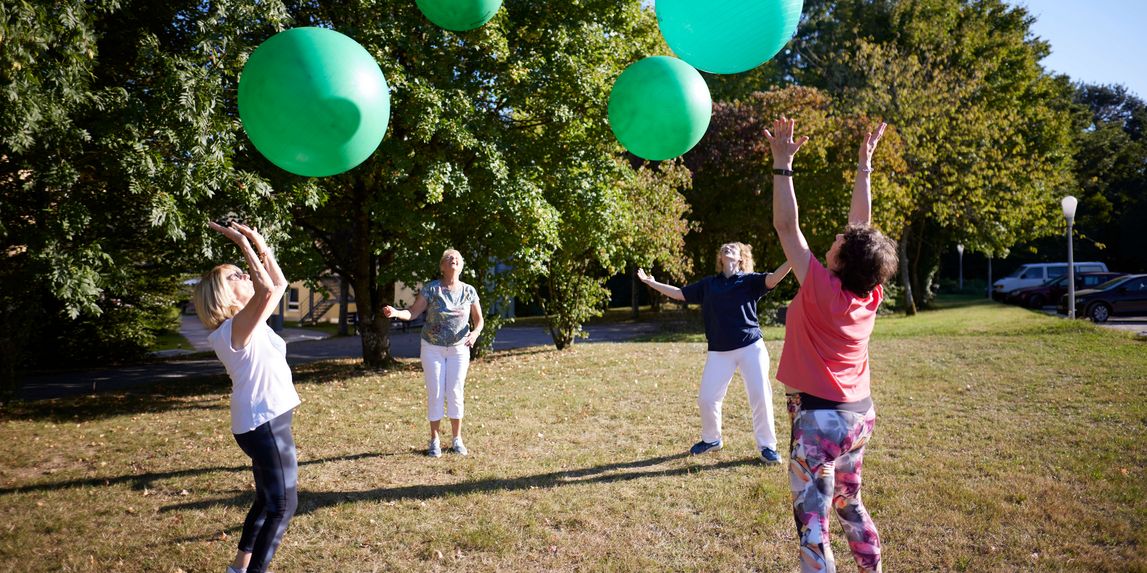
(909, 300)
(344, 304)
(373, 326)
(634, 285)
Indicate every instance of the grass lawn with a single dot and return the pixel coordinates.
(1006, 441)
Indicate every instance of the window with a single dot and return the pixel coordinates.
(1056, 270)
(1089, 269)
(1033, 273)
(1092, 281)
(293, 299)
(1137, 285)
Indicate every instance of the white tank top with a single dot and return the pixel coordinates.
(261, 386)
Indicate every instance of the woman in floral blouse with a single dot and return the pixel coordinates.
(453, 323)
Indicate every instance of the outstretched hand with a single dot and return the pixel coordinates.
(868, 148)
(641, 276)
(254, 236)
(781, 141)
(230, 231)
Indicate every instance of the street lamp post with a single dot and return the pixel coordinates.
(1069, 204)
(960, 249)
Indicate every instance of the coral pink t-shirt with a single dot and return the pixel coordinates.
(826, 338)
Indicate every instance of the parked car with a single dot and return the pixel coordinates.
(1035, 274)
(1050, 291)
(1123, 296)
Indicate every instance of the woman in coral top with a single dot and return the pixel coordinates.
(825, 358)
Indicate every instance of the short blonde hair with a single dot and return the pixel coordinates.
(746, 265)
(214, 300)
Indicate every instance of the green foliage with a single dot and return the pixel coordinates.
(116, 140)
(986, 134)
(731, 168)
(498, 147)
(1111, 176)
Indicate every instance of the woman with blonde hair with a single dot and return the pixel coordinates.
(453, 323)
(728, 302)
(235, 305)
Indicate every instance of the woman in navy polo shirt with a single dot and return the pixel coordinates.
(728, 302)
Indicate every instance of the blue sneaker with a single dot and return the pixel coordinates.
(435, 449)
(703, 446)
(770, 456)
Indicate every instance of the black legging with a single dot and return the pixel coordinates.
(276, 469)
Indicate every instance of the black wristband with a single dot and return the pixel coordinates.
(785, 172)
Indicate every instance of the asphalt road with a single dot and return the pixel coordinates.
(302, 346)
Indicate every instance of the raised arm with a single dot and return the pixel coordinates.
(407, 314)
(266, 278)
(774, 278)
(785, 219)
(667, 290)
(861, 211)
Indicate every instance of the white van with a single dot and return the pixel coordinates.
(1035, 274)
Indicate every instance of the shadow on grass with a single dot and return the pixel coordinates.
(310, 501)
(144, 480)
(207, 392)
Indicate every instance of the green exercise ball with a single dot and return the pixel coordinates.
(659, 108)
(727, 36)
(313, 101)
(459, 15)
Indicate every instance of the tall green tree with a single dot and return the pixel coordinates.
(498, 146)
(114, 131)
(986, 132)
(1111, 176)
(732, 175)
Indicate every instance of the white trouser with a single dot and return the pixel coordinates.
(444, 368)
(753, 360)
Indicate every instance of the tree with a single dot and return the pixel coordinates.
(986, 132)
(498, 146)
(731, 168)
(113, 135)
(1111, 176)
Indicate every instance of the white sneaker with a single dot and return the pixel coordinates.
(459, 448)
(435, 449)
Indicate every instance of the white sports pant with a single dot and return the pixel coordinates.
(444, 368)
(753, 360)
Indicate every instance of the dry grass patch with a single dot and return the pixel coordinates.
(1015, 446)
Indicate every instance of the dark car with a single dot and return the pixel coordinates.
(1051, 291)
(1123, 296)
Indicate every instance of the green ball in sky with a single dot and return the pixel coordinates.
(459, 15)
(313, 101)
(727, 36)
(659, 108)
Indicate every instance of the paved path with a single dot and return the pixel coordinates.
(302, 346)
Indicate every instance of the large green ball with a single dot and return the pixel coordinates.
(459, 15)
(659, 108)
(727, 36)
(313, 101)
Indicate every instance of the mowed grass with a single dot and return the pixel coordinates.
(1006, 441)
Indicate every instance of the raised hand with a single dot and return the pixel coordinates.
(230, 232)
(781, 142)
(254, 236)
(641, 276)
(868, 148)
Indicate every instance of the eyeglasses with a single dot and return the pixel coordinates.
(238, 276)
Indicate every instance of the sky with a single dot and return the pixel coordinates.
(1094, 41)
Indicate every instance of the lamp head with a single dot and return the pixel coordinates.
(960, 248)
(1069, 203)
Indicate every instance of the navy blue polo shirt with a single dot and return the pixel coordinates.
(729, 306)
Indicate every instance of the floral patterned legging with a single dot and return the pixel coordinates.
(824, 466)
